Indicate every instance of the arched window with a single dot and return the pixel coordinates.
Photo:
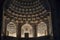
(26, 28)
(41, 29)
(11, 29)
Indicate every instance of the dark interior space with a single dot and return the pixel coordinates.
(55, 22)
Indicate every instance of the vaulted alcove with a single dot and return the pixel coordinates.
(27, 19)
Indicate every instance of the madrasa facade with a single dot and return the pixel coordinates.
(27, 18)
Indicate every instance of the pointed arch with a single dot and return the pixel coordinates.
(11, 29)
(41, 29)
(26, 28)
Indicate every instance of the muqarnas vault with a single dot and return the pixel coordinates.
(26, 18)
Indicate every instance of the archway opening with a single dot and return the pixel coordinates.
(11, 29)
(41, 29)
(26, 31)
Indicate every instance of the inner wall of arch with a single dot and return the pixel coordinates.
(26, 18)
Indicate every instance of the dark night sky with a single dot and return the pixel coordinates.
(55, 16)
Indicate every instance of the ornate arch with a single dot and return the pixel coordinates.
(41, 29)
(26, 28)
(11, 29)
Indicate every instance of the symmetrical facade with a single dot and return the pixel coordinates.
(22, 18)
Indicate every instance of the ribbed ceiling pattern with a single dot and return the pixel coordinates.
(26, 10)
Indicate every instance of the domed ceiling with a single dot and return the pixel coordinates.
(26, 9)
(31, 12)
